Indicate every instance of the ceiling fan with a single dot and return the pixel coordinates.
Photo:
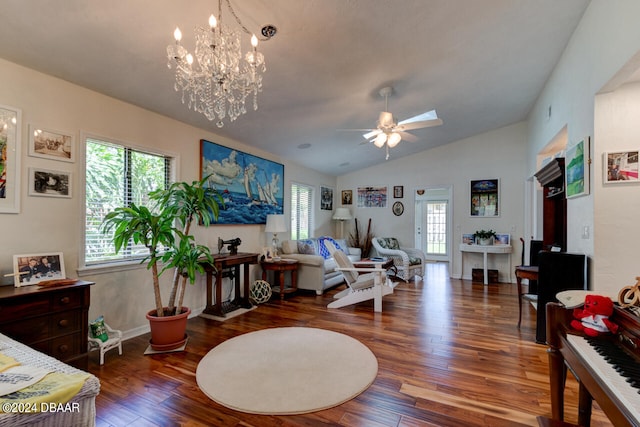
(390, 132)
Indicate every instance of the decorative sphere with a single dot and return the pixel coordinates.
(260, 291)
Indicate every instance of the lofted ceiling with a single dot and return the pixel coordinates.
(480, 64)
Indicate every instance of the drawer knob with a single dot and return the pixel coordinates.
(63, 348)
(64, 300)
(63, 323)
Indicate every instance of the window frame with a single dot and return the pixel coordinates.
(293, 213)
(117, 265)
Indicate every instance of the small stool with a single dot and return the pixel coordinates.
(114, 341)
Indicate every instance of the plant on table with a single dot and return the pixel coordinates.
(484, 234)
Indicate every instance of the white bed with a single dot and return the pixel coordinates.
(85, 399)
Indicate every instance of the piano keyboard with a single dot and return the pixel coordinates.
(610, 375)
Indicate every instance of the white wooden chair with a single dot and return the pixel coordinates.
(373, 284)
(408, 261)
(114, 341)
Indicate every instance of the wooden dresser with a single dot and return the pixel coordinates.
(53, 320)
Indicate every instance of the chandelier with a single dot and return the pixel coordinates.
(218, 83)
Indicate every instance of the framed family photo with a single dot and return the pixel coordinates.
(31, 269)
(49, 183)
(51, 144)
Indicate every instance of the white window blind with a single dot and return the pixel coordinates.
(301, 211)
(116, 176)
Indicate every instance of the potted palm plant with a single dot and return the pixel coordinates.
(164, 229)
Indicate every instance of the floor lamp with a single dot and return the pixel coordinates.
(342, 215)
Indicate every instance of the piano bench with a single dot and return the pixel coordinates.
(548, 422)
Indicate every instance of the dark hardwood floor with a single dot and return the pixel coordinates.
(449, 354)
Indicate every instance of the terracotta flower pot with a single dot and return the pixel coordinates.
(168, 332)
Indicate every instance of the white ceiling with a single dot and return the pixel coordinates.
(480, 64)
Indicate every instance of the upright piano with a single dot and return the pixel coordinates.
(607, 367)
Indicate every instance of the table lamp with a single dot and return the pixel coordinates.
(342, 215)
(275, 225)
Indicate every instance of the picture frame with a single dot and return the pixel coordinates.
(251, 187)
(49, 183)
(484, 198)
(52, 144)
(326, 198)
(372, 197)
(30, 269)
(398, 191)
(266, 254)
(397, 208)
(502, 239)
(468, 239)
(620, 167)
(347, 197)
(577, 169)
(10, 161)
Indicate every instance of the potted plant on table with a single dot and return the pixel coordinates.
(484, 237)
(164, 229)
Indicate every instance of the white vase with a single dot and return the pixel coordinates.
(485, 242)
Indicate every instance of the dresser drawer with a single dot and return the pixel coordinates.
(27, 331)
(66, 300)
(24, 307)
(66, 322)
(66, 346)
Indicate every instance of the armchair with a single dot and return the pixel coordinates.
(408, 261)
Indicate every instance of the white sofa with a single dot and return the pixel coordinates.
(316, 268)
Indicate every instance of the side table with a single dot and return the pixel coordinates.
(387, 264)
(278, 268)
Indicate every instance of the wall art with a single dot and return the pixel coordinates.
(347, 197)
(577, 169)
(49, 183)
(621, 167)
(372, 197)
(251, 187)
(326, 198)
(485, 197)
(51, 144)
(10, 143)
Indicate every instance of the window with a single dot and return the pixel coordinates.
(301, 211)
(116, 175)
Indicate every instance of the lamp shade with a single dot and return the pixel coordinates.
(275, 224)
(342, 214)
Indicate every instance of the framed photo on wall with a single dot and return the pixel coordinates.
(347, 197)
(577, 169)
(372, 197)
(51, 144)
(49, 183)
(31, 269)
(326, 198)
(621, 167)
(398, 191)
(485, 198)
(10, 143)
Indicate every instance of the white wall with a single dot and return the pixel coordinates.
(495, 154)
(54, 225)
(607, 37)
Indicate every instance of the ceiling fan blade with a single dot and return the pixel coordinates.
(406, 136)
(353, 130)
(372, 134)
(385, 119)
(429, 115)
(418, 125)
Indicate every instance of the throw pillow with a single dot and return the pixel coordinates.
(306, 248)
(389, 242)
(98, 329)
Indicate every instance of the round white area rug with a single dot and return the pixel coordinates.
(284, 371)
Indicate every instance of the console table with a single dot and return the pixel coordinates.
(53, 320)
(228, 266)
(484, 250)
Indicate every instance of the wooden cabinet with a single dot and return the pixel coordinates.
(554, 222)
(52, 320)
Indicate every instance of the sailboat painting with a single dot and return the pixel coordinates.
(251, 187)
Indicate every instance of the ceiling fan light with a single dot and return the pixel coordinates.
(380, 140)
(394, 139)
